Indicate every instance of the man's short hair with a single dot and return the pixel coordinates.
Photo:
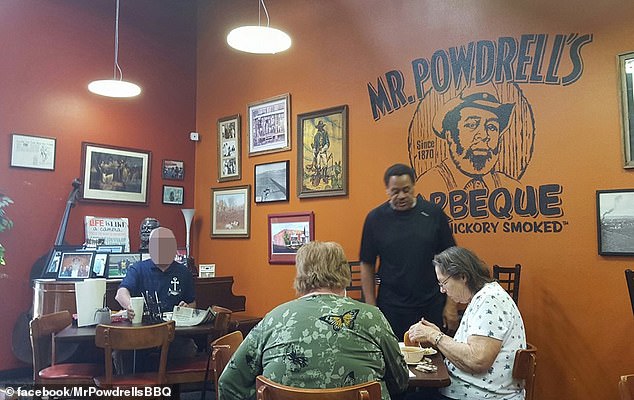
(398, 170)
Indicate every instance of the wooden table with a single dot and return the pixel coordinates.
(440, 378)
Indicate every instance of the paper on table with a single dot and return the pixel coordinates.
(89, 296)
(411, 374)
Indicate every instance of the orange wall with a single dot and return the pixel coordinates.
(574, 302)
(50, 51)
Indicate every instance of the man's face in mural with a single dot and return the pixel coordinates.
(400, 190)
(474, 142)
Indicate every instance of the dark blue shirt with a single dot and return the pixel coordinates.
(174, 285)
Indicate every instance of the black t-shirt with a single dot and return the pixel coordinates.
(406, 242)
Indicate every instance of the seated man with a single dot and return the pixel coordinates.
(163, 278)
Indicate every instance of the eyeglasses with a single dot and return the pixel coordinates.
(443, 283)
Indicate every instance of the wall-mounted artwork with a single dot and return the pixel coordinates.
(173, 194)
(626, 75)
(287, 233)
(271, 182)
(322, 157)
(115, 173)
(37, 152)
(229, 150)
(230, 209)
(269, 125)
(615, 222)
(174, 170)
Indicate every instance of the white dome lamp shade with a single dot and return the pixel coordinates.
(259, 39)
(115, 87)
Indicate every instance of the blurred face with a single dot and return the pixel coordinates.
(474, 149)
(162, 247)
(400, 190)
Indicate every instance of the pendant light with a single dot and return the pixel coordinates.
(259, 39)
(115, 87)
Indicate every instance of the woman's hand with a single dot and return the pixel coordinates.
(423, 332)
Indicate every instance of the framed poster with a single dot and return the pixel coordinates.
(229, 153)
(118, 264)
(626, 75)
(230, 211)
(37, 152)
(173, 194)
(269, 125)
(322, 156)
(615, 222)
(174, 170)
(287, 233)
(76, 265)
(115, 173)
(271, 182)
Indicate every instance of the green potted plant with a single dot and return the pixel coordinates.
(5, 222)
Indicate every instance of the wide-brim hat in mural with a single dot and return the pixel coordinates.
(483, 97)
(320, 124)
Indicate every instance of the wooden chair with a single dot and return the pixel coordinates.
(269, 390)
(629, 277)
(509, 279)
(626, 387)
(42, 332)
(355, 290)
(524, 368)
(134, 338)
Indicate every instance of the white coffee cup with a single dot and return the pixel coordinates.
(136, 303)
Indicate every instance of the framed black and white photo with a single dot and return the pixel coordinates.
(271, 182)
(37, 152)
(115, 173)
(615, 222)
(626, 77)
(229, 152)
(173, 194)
(173, 170)
(269, 125)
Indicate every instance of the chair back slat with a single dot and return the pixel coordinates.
(626, 387)
(269, 390)
(509, 279)
(524, 368)
(222, 320)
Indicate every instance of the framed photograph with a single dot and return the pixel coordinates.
(626, 74)
(229, 152)
(174, 170)
(99, 265)
(77, 265)
(615, 222)
(35, 152)
(118, 264)
(112, 248)
(287, 233)
(173, 194)
(54, 259)
(269, 125)
(115, 174)
(271, 182)
(322, 156)
(230, 211)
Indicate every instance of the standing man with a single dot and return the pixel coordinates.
(405, 233)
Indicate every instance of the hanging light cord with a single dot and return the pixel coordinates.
(116, 46)
(259, 13)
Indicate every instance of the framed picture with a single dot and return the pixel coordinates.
(271, 182)
(174, 170)
(615, 222)
(230, 211)
(118, 264)
(36, 152)
(173, 194)
(99, 265)
(287, 233)
(115, 173)
(269, 125)
(77, 265)
(54, 259)
(626, 74)
(110, 248)
(229, 152)
(322, 157)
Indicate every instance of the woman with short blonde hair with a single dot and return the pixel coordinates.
(321, 265)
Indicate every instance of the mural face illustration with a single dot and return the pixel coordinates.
(473, 142)
(400, 190)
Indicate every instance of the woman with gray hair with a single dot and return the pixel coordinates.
(321, 339)
(480, 355)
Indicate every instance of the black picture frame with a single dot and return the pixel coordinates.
(173, 195)
(75, 265)
(118, 264)
(271, 182)
(99, 265)
(173, 170)
(50, 270)
(615, 222)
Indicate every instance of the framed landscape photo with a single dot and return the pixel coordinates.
(615, 222)
(118, 264)
(626, 75)
(322, 155)
(230, 211)
(229, 153)
(77, 265)
(37, 152)
(173, 194)
(287, 233)
(271, 182)
(269, 125)
(174, 170)
(115, 173)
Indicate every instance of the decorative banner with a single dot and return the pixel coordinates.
(107, 231)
